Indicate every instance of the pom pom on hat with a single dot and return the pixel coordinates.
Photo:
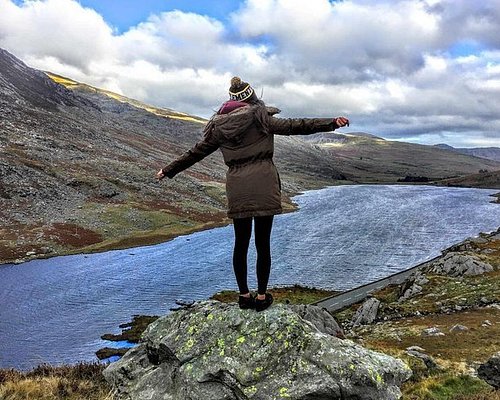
(240, 90)
(235, 81)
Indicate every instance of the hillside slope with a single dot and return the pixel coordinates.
(78, 164)
(484, 179)
(367, 158)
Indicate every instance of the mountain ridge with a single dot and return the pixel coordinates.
(490, 153)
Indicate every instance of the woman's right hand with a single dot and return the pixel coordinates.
(341, 121)
(160, 175)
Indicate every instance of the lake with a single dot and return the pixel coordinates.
(55, 310)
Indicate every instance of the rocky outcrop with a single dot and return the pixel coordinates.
(367, 312)
(323, 321)
(412, 286)
(460, 264)
(490, 371)
(216, 351)
(428, 361)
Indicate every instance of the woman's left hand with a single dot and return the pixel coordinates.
(341, 121)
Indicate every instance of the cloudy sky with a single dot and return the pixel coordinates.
(425, 71)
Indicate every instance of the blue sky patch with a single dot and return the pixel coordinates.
(123, 14)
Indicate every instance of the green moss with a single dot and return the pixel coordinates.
(133, 330)
(445, 387)
(216, 191)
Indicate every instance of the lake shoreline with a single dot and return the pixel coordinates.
(341, 255)
(152, 238)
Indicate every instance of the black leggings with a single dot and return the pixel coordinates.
(242, 234)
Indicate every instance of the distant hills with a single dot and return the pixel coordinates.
(490, 153)
(78, 165)
(370, 159)
(485, 179)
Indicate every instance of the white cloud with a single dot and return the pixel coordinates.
(60, 29)
(343, 40)
(391, 66)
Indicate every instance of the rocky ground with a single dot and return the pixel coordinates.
(444, 321)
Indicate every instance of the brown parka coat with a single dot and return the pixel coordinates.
(246, 139)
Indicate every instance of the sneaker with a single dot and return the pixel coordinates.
(246, 302)
(261, 305)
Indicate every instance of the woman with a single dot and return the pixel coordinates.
(244, 130)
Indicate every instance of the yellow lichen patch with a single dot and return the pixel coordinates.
(240, 340)
(250, 390)
(221, 345)
(284, 392)
(190, 343)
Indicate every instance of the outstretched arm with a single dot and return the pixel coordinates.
(197, 153)
(305, 126)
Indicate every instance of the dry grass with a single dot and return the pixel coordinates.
(82, 381)
(447, 386)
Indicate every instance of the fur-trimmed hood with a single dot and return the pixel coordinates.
(233, 125)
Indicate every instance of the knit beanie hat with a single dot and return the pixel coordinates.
(239, 90)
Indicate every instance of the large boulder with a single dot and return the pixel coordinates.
(490, 371)
(367, 312)
(216, 351)
(460, 264)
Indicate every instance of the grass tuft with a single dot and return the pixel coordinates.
(445, 386)
(83, 381)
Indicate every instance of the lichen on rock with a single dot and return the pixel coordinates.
(218, 351)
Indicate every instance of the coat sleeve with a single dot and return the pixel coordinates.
(301, 126)
(197, 153)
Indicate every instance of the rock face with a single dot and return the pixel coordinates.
(490, 371)
(412, 286)
(367, 313)
(317, 316)
(216, 351)
(460, 264)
